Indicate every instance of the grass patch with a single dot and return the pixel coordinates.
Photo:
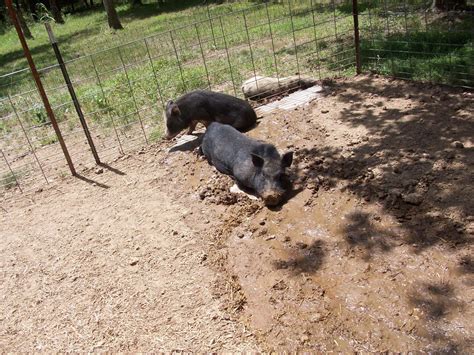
(9, 180)
(48, 140)
(156, 134)
(442, 57)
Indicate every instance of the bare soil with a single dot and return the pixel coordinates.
(371, 252)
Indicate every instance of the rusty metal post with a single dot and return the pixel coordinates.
(39, 85)
(355, 14)
(77, 106)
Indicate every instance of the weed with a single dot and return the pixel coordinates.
(48, 140)
(9, 180)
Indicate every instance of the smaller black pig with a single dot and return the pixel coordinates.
(253, 164)
(207, 106)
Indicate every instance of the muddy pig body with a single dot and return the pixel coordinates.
(207, 106)
(253, 164)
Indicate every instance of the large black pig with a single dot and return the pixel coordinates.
(207, 106)
(253, 164)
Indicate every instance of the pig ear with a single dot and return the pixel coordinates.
(257, 160)
(287, 159)
(175, 109)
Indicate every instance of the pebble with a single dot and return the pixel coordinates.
(413, 198)
(133, 262)
(457, 144)
(99, 171)
(301, 245)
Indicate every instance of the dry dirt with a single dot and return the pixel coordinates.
(371, 252)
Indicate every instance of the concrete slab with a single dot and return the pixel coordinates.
(292, 101)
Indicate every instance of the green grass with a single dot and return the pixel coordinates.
(442, 53)
(8, 180)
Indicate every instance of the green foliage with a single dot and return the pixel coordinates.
(8, 180)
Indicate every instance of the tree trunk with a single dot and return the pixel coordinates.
(56, 11)
(23, 24)
(112, 17)
(137, 2)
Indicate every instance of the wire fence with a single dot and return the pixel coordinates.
(123, 88)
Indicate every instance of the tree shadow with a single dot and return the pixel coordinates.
(148, 10)
(411, 161)
(307, 259)
(41, 53)
(435, 301)
(360, 231)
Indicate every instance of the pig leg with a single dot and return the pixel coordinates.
(221, 167)
(192, 127)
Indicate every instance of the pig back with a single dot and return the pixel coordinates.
(225, 147)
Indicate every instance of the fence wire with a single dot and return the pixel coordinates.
(123, 87)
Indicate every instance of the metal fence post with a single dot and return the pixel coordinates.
(39, 85)
(355, 14)
(77, 106)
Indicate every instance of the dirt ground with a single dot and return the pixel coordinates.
(371, 252)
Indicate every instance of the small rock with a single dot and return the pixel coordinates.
(395, 192)
(301, 245)
(413, 198)
(317, 317)
(450, 155)
(324, 111)
(270, 237)
(304, 338)
(133, 262)
(457, 144)
(39, 190)
(99, 171)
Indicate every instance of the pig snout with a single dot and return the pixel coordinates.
(272, 197)
(168, 135)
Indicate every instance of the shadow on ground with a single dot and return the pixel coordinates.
(416, 161)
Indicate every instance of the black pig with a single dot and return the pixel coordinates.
(253, 164)
(205, 107)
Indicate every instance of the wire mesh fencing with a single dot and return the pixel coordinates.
(123, 88)
(410, 39)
